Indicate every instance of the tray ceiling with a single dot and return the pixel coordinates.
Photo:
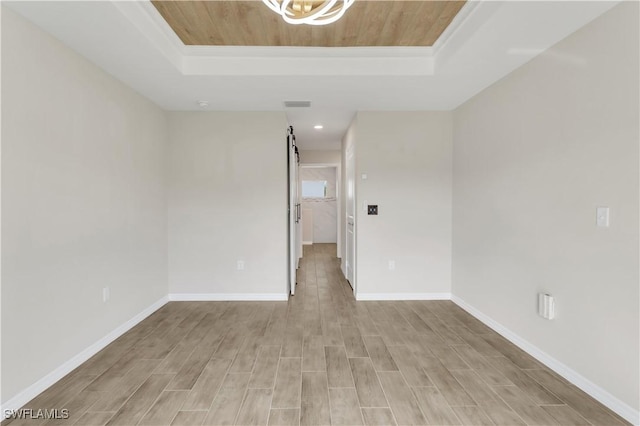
(487, 40)
(366, 23)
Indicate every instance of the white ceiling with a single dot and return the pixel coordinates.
(486, 41)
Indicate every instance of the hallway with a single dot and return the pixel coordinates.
(319, 359)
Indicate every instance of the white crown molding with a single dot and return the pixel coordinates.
(467, 10)
(484, 42)
(403, 296)
(229, 297)
(277, 60)
(621, 408)
(464, 27)
(309, 52)
(144, 16)
(311, 66)
(44, 383)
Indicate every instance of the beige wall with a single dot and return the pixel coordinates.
(534, 155)
(407, 159)
(227, 202)
(320, 157)
(83, 204)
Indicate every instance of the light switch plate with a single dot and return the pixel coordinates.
(602, 217)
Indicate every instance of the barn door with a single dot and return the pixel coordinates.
(294, 210)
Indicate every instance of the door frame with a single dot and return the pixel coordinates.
(339, 223)
(349, 168)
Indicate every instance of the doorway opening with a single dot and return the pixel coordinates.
(320, 201)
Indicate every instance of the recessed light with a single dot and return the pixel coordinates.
(203, 104)
(318, 126)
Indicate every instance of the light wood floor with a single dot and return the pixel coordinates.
(322, 358)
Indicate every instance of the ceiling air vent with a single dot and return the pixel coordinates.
(297, 104)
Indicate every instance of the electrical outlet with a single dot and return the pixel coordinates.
(392, 265)
(240, 265)
(106, 294)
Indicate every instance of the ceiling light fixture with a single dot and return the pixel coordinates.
(310, 12)
(203, 104)
(318, 126)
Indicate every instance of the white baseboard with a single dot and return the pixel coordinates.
(403, 296)
(605, 398)
(219, 297)
(44, 383)
(601, 395)
(307, 243)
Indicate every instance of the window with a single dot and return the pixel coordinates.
(314, 189)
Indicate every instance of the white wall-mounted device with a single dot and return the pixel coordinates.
(546, 306)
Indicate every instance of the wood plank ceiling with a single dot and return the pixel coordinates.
(252, 23)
